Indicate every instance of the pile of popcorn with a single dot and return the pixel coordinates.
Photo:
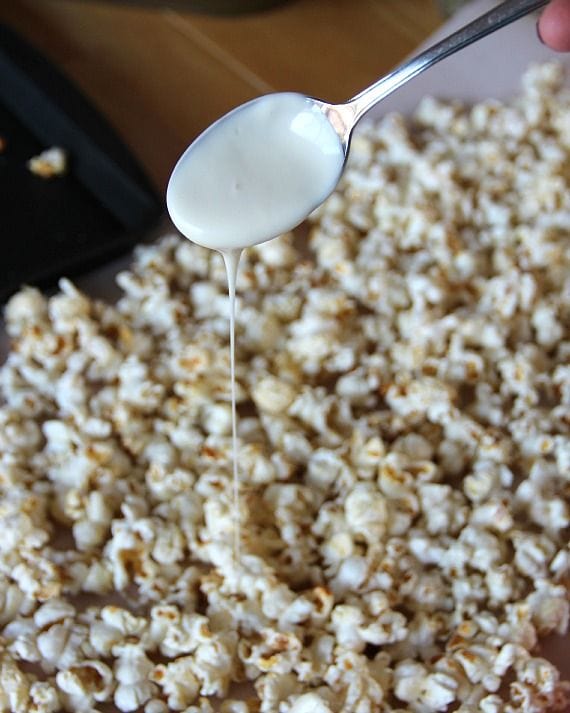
(404, 451)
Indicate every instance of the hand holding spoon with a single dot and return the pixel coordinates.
(261, 169)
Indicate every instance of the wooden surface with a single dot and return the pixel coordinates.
(162, 75)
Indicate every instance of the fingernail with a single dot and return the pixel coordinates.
(538, 33)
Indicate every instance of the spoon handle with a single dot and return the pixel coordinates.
(496, 18)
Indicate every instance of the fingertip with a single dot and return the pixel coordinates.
(553, 27)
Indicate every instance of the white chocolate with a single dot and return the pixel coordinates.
(256, 173)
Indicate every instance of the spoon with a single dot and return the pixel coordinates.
(345, 116)
(261, 169)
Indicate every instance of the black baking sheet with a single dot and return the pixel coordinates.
(66, 224)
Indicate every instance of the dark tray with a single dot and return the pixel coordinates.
(67, 224)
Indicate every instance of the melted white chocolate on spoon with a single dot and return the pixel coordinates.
(254, 174)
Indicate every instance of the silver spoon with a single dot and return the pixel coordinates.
(345, 116)
(263, 168)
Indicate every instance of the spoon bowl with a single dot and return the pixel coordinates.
(256, 173)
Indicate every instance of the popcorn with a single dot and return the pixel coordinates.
(276, 652)
(366, 512)
(273, 395)
(404, 399)
(14, 687)
(85, 683)
(309, 703)
(422, 690)
(52, 612)
(178, 682)
(44, 698)
(155, 706)
(549, 609)
(215, 665)
(132, 671)
(60, 645)
(274, 688)
(49, 163)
